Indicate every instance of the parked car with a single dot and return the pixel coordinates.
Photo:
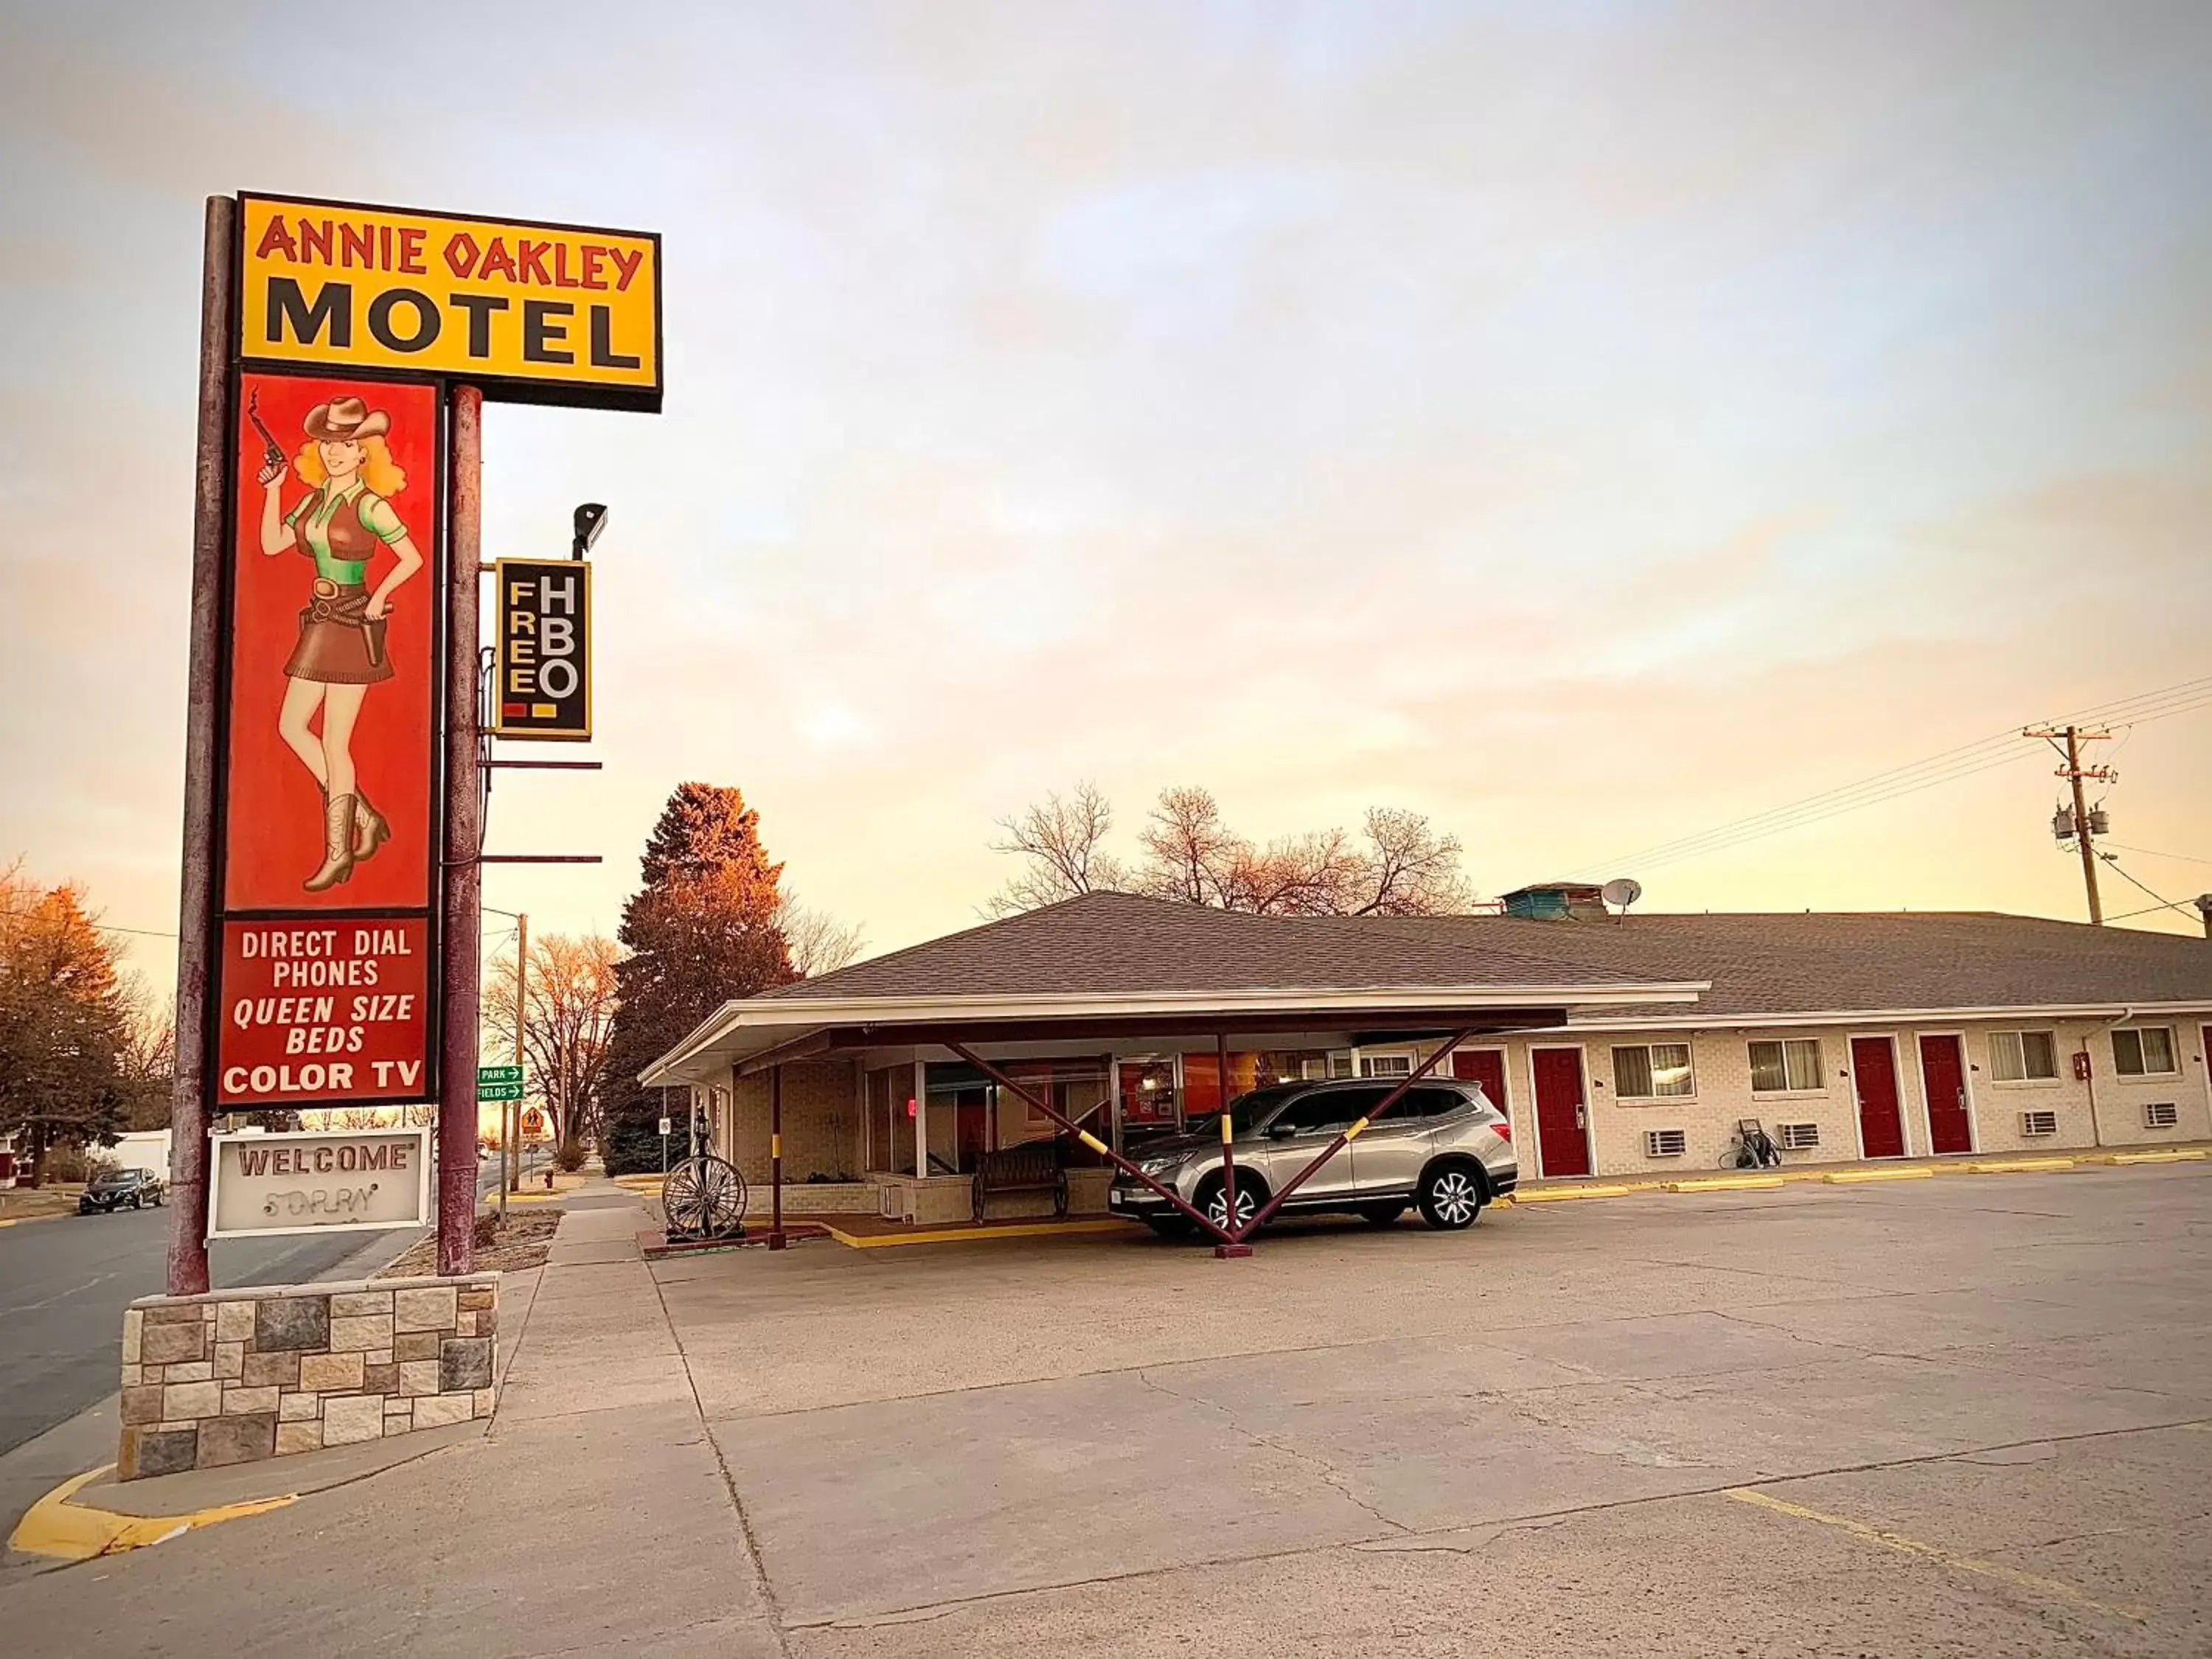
(1444, 1146)
(112, 1190)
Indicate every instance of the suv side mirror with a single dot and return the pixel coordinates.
(1280, 1131)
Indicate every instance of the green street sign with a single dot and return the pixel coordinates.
(499, 1091)
(499, 1074)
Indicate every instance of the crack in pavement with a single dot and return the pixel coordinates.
(1331, 1476)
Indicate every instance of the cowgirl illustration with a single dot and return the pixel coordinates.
(340, 525)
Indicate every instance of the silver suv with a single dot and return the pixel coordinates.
(1442, 1146)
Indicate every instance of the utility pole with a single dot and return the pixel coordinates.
(2081, 828)
(510, 1111)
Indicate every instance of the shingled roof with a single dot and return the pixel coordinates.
(1115, 944)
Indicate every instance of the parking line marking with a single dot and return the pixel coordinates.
(2057, 1589)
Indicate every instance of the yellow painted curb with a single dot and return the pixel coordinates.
(1856, 1177)
(2183, 1155)
(2019, 1166)
(74, 1532)
(970, 1235)
(1551, 1194)
(1725, 1184)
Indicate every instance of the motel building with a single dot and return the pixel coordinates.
(1618, 1045)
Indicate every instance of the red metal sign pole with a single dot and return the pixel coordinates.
(460, 949)
(188, 1113)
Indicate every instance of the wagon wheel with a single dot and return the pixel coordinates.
(703, 1198)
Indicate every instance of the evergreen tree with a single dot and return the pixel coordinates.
(701, 930)
(64, 1023)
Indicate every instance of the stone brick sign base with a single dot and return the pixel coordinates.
(240, 1375)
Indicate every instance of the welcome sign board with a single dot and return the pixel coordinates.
(346, 1180)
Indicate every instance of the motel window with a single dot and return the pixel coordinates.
(2023, 1056)
(1397, 1065)
(1655, 1071)
(2144, 1051)
(1792, 1064)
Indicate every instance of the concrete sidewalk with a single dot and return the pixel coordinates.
(593, 1517)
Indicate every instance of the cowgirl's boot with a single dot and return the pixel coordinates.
(370, 828)
(337, 845)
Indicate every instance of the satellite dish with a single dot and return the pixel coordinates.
(1621, 892)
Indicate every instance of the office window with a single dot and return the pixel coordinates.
(2145, 1051)
(2023, 1056)
(1654, 1071)
(1386, 1065)
(1793, 1064)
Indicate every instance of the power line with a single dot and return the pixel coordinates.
(2185, 910)
(2184, 857)
(1983, 754)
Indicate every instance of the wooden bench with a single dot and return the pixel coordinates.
(1033, 1167)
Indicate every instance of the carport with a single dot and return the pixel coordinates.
(1070, 1024)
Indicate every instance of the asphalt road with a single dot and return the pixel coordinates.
(65, 1283)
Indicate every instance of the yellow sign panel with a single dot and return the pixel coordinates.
(532, 313)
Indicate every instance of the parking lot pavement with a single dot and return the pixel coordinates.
(1968, 1416)
(1945, 1417)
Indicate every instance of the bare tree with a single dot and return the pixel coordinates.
(1405, 867)
(819, 942)
(1061, 842)
(1190, 856)
(1410, 869)
(147, 1055)
(567, 1020)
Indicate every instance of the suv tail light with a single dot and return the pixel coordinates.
(1504, 1126)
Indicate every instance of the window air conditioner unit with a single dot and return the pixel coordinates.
(2160, 1115)
(1666, 1143)
(1800, 1137)
(2044, 1122)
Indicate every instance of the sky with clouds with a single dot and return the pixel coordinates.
(1583, 423)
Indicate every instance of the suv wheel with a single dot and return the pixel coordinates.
(1381, 1215)
(1213, 1203)
(1451, 1197)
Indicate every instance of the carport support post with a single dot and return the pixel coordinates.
(1227, 1250)
(775, 1156)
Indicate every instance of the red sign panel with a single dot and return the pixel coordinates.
(319, 1008)
(334, 595)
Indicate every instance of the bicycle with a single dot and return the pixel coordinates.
(1752, 1149)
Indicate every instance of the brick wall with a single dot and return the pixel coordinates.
(1721, 1064)
(821, 1122)
(240, 1375)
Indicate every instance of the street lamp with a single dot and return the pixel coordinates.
(591, 518)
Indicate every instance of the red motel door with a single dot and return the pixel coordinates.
(1874, 1073)
(1943, 1075)
(1562, 1135)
